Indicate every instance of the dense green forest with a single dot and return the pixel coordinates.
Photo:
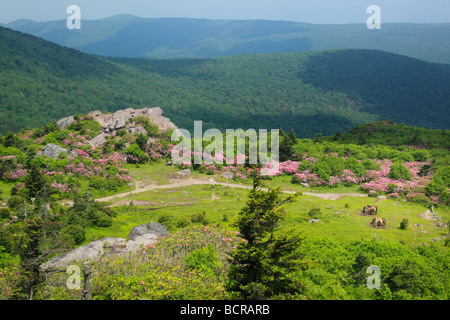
(322, 92)
(393, 134)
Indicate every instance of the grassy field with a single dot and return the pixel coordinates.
(339, 220)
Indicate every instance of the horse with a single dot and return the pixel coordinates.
(372, 210)
(378, 222)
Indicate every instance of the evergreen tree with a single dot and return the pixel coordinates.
(292, 138)
(35, 181)
(266, 264)
(287, 143)
(37, 240)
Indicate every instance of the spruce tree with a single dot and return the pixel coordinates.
(35, 181)
(267, 264)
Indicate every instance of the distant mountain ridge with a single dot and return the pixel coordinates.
(134, 37)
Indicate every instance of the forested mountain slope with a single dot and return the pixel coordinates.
(315, 92)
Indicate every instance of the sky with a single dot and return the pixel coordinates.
(309, 11)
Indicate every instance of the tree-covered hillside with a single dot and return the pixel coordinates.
(393, 134)
(308, 92)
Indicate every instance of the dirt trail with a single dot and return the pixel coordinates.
(182, 182)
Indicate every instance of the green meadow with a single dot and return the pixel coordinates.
(340, 219)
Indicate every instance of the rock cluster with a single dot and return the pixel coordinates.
(123, 119)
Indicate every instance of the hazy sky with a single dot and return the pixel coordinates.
(311, 11)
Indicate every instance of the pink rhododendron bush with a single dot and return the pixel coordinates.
(394, 178)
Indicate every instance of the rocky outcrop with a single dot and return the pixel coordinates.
(139, 235)
(121, 119)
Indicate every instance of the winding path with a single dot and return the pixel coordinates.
(182, 182)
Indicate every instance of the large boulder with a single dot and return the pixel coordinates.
(91, 251)
(139, 235)
(145, 234)
(150, 228)
(53, 151)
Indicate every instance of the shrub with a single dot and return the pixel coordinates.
(421, 155)
(76, 233)
(419, 198)
(443, 174)
(404, 224)
(392, 187)
(183, 222)
(205, 260)
(167, 220)
(437, 187)
(399, 171)
(323, 171)
(4, 213)
(370, 165)
(103, 221)
(314, 212)
(200, 218)
(356, 166)
(135, 154)
(15, 202)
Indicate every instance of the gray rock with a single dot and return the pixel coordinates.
(214, 197)
(227, 175)
(124, 119)
(185, 172)
(158, 229)
(313, 221)
(53, 150)
(98, 140)
(148, 231)
(65, 122)
(139, 241)
(306, 185)
(138, 231)
(139, 235)
(91, 251)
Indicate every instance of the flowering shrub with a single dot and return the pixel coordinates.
(9, 280)
(61, 188)
(171, 268)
